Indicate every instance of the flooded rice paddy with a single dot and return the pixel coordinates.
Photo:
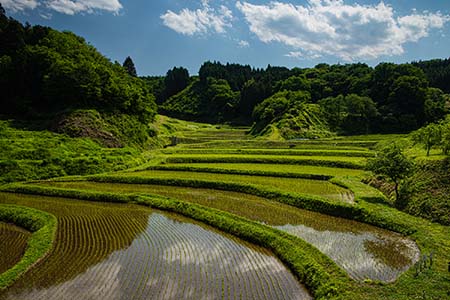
(296, 185)
(112, 251)
(363, 251)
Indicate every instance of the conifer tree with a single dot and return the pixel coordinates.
(129, 66)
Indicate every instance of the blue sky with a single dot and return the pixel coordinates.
(159, 34)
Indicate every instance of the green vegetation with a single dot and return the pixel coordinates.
(291, 114)
(426, 192)
(295, 185)
(311, 102)
(429, 237)
(45, 71)
(33, 154)
(214, 101)
(294, 171)
(304, 152)
(337, 162)
(43, 228)
(283, 180)
(434, 135)
(393, 164)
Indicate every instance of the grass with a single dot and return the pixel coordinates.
(295, 185)
(35, 154)
(321, 275)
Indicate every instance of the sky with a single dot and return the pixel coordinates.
(161, 34)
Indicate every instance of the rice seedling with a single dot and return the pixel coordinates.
(117, 251)
(290, 152)
(291, 158)
(253, 169)
(13, 244)
(293, 144)
(295, 185)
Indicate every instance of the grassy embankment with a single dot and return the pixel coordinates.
(42, 226)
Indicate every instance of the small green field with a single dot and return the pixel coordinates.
(265, 168)
(296, 185)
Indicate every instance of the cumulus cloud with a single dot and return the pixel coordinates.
(199, 21)
(243, 44)
(294, 54)
(19, 5)
(69, 7)
(331, 27)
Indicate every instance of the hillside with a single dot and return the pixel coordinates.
(352, 98)
(59, 82)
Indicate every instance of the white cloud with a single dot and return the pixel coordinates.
(331, 27)
(199, 21)
(294, 54)
(69, 7)
(243, 44)
(19, 5)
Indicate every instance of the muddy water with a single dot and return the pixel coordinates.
(107, 251)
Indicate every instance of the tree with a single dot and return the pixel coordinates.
(435, 105)
(393, 164)
(407, 98)
(360, 111)
(128, 64)
(445, 138)
(175, 81)
(429, 136)
(335, 111)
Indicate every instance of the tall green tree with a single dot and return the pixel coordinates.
(392, 163)
(360, 112)
(445, 141)
(128, 64)
(335, 111)
(429, 136)
(175, 81)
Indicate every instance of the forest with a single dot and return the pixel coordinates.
(350, 99)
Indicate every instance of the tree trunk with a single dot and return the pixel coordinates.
(396, 192)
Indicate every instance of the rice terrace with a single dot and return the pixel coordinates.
(238, 182)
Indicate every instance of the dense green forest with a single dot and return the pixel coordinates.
(350, 99)
(51, 75)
